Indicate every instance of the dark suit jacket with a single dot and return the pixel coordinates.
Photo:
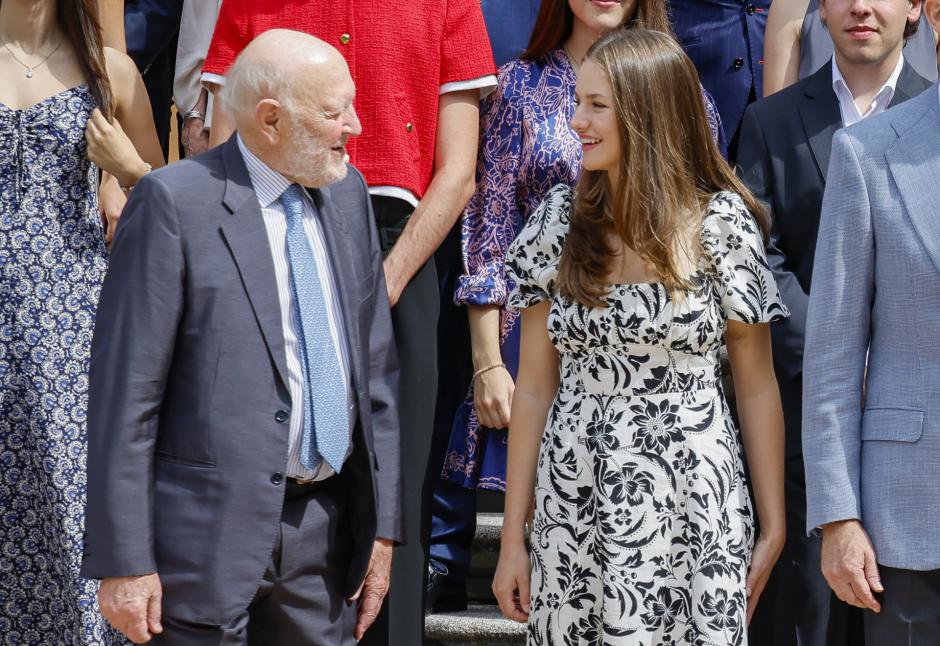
(509, 24)
(149, 27)
(186, 447)
(725, 40)
(783, 155)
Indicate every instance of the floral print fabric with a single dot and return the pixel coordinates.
(643, 527)
(52, 262)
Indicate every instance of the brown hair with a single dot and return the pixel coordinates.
(79, 20)
(555, 21)
(670, 167)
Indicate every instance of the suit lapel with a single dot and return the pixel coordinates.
(821, 116)
(914, 163)
(338, 244)
(909, 85)
(247, 240)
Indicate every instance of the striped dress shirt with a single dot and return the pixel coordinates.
(269, 185)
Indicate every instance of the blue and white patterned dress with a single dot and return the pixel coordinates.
(52, 262)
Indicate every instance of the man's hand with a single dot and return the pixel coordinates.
(375, 586)
(849, 565)
(132, 605)
(195, 137)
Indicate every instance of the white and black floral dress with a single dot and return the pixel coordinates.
(643, 527)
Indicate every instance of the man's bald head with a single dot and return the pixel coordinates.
(292, 100)
(280, 64)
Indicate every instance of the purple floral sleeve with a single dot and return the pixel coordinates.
(492, 216)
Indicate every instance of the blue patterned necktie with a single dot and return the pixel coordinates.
(326, 421)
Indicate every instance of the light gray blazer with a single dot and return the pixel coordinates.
(876, 290)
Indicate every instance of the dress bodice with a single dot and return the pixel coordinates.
(44, 149)
(646, 340)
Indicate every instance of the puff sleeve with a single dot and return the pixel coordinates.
(532, 260)
(734, 246)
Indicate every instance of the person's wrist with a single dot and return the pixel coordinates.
(513, 532)
(837, 525)
(141, 168)
(484, 359)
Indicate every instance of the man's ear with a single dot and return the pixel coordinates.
(268, 119)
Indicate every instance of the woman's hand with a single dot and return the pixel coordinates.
(766, 551)
(112, 150)
(511, 581)
(492, 397)
(111, 201)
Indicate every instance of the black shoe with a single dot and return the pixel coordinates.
(443, 594)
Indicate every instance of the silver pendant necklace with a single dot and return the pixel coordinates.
(30, 68)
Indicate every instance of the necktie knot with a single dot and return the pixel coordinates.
(293, 200)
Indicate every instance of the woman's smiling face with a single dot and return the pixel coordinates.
(595, 120)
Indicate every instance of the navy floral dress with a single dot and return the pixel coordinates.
(526, 147)
(52, 262)
(643, 528)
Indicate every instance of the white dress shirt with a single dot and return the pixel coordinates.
(850, 112)
(269, 185)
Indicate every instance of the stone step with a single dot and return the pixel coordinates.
(484, 555)
(478, 625)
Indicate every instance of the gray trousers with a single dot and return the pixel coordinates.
(910, 609)
(300, 601)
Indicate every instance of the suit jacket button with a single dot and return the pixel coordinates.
(751, 10)
(281, 416)
(277, 478)
(738, 63)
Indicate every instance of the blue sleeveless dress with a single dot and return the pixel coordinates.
(52, 262)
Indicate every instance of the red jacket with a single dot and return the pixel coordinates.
(400, 55)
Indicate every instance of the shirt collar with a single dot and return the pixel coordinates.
(269, 184)
(887, 90)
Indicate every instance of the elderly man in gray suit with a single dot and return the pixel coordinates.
(243, 479)
(872, 442)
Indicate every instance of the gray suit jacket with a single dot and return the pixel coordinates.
(876, 290)
(187, 440)
(783, 156)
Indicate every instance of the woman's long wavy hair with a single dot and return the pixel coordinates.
(555, 21)
(79, 20)
(670, 167)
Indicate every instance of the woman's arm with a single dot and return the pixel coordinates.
(124, 148)
(492, 389)
(761, 417)
(111, 18)
(782, 44)
(536, 387)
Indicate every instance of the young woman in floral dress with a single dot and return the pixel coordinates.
(620, 435)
